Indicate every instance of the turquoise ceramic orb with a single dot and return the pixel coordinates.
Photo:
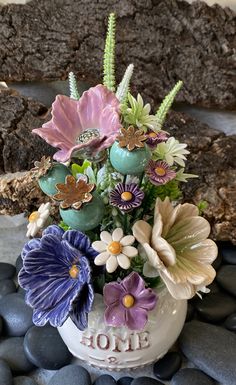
(88, 217)
(57, 174)
(129, 162)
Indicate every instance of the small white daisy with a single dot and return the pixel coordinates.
(172, 151)
(115, 249)
(37, 219)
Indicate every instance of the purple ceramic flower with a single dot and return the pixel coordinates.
(153, 138)
(159, 172)
(128, 302)
(56, 275)
(126, 196)
(88, 125)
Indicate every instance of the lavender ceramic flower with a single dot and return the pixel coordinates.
(56, 275)
(126, 196)
(128, 302)
(159, 172)
(88, 125)
(154, 138)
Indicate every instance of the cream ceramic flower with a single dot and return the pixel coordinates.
(115, 249)
(177, 248)
(172, 151)
(37, 219)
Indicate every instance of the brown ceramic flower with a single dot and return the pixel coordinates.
(41, 167)
(131, 138)
(74, 193)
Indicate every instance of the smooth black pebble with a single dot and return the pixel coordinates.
(17, 316)
(230, 322)
(146, 381)
(7, 271)
(5, 374)
(226, 278)
(23, 380)
(71, 375)
(167, 366)
(1, 325)
(191, 377)
(218, 261)
(19, 264)
(7, 286)
(228, 251)
(215, 307)
(125, 380)
(12, 351)
(105, 379)
(45, 348)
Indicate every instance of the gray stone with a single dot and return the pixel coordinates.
(7, 270)
(5, 374)
(45, 348)
(228, 251)
(226, 277)
(71, 375)
(19, 264)
(230, 322)
(215, 307)
(23, 380)
(17, 316)
(105, 379)
(7, 286)
(146, 381)
(191, 376)
(125, 380)
(1, 325)
(167, 366)
(12, 351)
(212, 349)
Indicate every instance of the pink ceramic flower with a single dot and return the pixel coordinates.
(89, 124)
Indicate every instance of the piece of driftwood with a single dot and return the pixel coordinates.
(167, 40)
(212, 157)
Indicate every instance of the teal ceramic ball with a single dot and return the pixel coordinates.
(129, 162)
(88, 217)
(57, 174)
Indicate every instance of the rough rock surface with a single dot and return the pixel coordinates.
(212, 157)
(167, 40)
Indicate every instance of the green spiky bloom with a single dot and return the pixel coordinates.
(74, 93)
(109, 55)
(123, 88)
(167, 103)
(137, 114)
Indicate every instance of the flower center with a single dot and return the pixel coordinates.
(160, 171)
(152, 135)
(128, 301)
(126, 196)
(33, 216)
(74, 271)
(87, 135)
(115, 247)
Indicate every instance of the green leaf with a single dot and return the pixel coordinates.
(76, 169)
(109, 55)
(167, 103)
(74, 93)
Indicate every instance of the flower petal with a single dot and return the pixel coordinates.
(152, 256)
(147, 299)
(101, 258)
(178, 290)
(123, 261)
(130, 251)
(78, 240)
(112, 292)
(99, 246)
(115, 315)
(136, 318)
(56, 316)
(204, 252)
(106, 237)
(133, 284)
(142, 231)
(164, 250)
(111, 264)
(127, 240)
(29, 246)
(54, 230)
(117, 234)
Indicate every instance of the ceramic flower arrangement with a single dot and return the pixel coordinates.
(116, 179)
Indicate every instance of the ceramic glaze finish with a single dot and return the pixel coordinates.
(129, 162)
(120, 348)
(56, 175)
(87, 218)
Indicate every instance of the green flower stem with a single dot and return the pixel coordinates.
(141, 179)
(124, 180)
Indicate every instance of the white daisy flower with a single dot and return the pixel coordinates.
(172, 152)
(115, 249)
(37, 219)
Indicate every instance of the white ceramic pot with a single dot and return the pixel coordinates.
(120, 348)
